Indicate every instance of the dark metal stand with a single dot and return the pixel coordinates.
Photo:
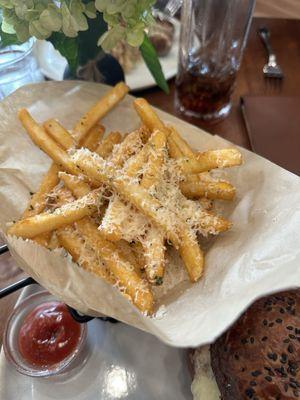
(29, 281)
(16, 286)
(3, 249)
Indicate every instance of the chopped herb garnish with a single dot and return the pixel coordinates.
(158, 280)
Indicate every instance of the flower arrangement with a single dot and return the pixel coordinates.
(77, 28)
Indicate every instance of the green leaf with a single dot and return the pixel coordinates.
(8, 39)
(87, 40)
(6, 4)
(151, 59)
(68, 47)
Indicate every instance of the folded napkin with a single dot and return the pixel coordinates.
(273, 125)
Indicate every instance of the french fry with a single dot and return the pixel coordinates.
(99, 110)
(43, 239)
(191, 255)
(204, 221)
(65, 139)
(209, 223)
(127, 253)
(180, 143)
(53, 241)
(123, 271)
(174, 150)
(59, 133)
(67, 214)
(129, 146)
(177, 145)
(210, 160)
(154, 255)
(218, 159)
(74, 244)
(109, 228)
(38, 199)
(149, 116)
(57, 198)
(91, 140)
(145, 133)
(76, 184)
(134, 164)
(157, 144)
(195, 189)
(46, 143)
(106, 146)
(138, 250)
(205, 203)
(154, 240)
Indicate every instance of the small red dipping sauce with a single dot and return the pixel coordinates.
(48, 334)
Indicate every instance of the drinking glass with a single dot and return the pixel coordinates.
(17, 67)
(213, 36)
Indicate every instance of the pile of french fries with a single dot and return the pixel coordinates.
(115, 202)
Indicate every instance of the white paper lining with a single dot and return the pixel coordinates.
(259, 255)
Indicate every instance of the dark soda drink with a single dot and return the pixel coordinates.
(204, 95)
(213, 35)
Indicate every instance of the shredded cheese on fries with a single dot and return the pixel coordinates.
(114, 209)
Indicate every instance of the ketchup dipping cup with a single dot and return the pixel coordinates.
(41, 338)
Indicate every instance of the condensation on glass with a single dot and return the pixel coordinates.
(18, 67)
(213, 36)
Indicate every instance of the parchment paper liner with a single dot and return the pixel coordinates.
(259, 255)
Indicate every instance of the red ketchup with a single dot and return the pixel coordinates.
(48, 334)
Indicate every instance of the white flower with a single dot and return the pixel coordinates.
(112, 37)
(37, 30)
(51, 18)
(126, 19)
(90, 10)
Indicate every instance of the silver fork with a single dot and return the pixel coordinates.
(272, 68)
(172, 7)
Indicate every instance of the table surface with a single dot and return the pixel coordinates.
(277, 8)
(285, 37)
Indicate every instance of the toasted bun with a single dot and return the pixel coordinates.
(258, 358)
